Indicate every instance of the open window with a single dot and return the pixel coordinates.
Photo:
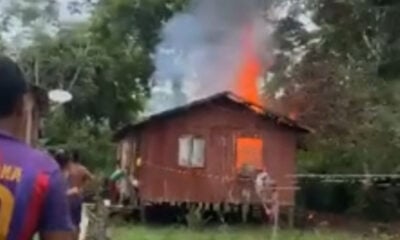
(191, 151)
(249, 154)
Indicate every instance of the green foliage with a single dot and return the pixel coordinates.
(327, 197)
(129, 31)
(21, 21)
(133, 22)
(28, 12)
(345, 86)
(90, 139)
(376, 203)
(105, 63)
(76, 62)
(336, 78)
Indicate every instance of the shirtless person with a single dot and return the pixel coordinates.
(79, 176)
(72, 192)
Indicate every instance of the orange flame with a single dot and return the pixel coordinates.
(249, 152)
(249, 70)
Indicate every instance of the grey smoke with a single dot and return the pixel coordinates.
(200, 49)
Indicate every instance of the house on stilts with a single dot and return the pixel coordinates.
(209, 152)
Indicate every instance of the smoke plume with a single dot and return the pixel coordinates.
(201, 52)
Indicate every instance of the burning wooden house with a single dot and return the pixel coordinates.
(209, 152)
(36, 104)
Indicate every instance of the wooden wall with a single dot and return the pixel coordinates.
(163, 180)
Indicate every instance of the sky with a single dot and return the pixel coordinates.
(16, 36)
(66, 16)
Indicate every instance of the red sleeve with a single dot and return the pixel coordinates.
(55, 215)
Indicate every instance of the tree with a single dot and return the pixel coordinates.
(105, 63)
(132, 21)
(128, 32)
(90, 139)
(23, 20)
(336, 80)
(74, 62)
(110, 78)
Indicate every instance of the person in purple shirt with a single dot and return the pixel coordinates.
(32, 188)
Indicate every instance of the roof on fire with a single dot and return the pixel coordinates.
(256, 109)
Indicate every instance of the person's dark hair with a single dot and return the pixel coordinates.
(76, 158)
(13, 86)
(62, 158)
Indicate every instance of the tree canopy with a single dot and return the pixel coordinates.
(341, 79)
(105, 62)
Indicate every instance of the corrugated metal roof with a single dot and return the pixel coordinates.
(256, 109)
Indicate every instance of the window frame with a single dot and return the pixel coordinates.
(190, 163)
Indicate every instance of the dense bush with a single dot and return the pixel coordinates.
(375, 203)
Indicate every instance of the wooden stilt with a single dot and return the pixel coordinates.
(142, 209)
(245, 212)
(291, 216)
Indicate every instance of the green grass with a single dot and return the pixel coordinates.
(151, 233)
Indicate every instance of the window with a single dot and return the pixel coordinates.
(249, 153)
(191, 151)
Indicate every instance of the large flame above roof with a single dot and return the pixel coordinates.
(250, 69)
